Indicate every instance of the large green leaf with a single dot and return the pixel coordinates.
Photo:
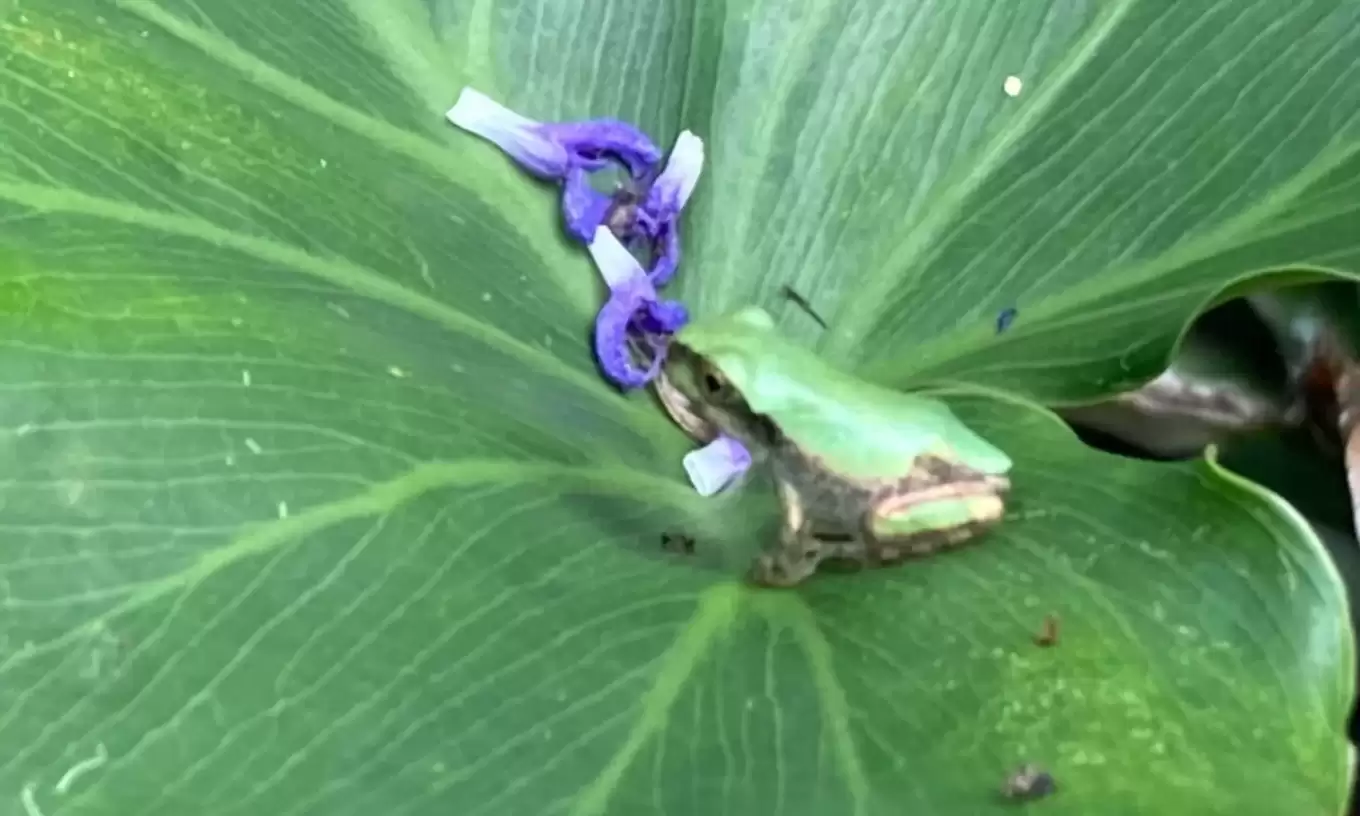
(314, 502)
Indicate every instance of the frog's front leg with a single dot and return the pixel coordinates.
(799, 552)
(925, 522)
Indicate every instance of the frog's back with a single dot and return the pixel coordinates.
(856, 427)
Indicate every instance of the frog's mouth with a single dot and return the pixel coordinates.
(722, 413)
(676, 402)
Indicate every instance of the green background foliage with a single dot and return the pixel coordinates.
(315, 504)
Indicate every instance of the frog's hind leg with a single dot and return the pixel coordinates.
(799, 552)
(913, 527)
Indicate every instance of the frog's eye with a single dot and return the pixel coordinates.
(712, 381)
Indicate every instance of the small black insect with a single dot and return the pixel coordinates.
(1006, 318)
(1027, 783)
(802, 302)
(678, 543)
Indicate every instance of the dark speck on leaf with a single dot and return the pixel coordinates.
(1006, 318)
(1027, 783)
(1048, 634)
(677, 543)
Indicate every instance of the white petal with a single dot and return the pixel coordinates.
(517, 135)
(616, 264)
(479, 113)
(682, 171)
(716, 465)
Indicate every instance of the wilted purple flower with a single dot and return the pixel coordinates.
(634, 318)
(649, 214)
(561, 151)
(716, 465)
(667, 197)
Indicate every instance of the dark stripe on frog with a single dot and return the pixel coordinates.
(828, 499)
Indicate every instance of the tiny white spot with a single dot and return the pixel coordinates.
(283, 510)
(24, 429)
(396, 372)
(236, 321)
(323, 162)
(71, 74)
(457, 367)
(338, 309)
(146, 34)
(230, 460)
(486, 297)
(1012, 86)
(245, 377)
(81, 768)
(253, 446)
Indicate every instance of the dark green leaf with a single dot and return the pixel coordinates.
(315, 504)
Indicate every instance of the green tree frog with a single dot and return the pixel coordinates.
(865, 474)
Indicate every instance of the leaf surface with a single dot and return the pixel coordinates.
(315, 504)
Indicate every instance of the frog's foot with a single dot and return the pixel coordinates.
(778, 569)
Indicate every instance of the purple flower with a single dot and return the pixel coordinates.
(633, 320)
(563, 151)
(716, 465)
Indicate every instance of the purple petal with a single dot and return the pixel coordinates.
(667, 255)
(716, 465)
(522, 138)
(611, 341)
(662, 316)
(673, 187)
(645, 224)
(592, 142)
(617, 265)
(583, 207)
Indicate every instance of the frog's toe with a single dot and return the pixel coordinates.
(773, 570)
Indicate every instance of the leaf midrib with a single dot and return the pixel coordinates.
(381, 498)
(338, 271)
(1256, 224)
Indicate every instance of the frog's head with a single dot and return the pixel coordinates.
(712, 368)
